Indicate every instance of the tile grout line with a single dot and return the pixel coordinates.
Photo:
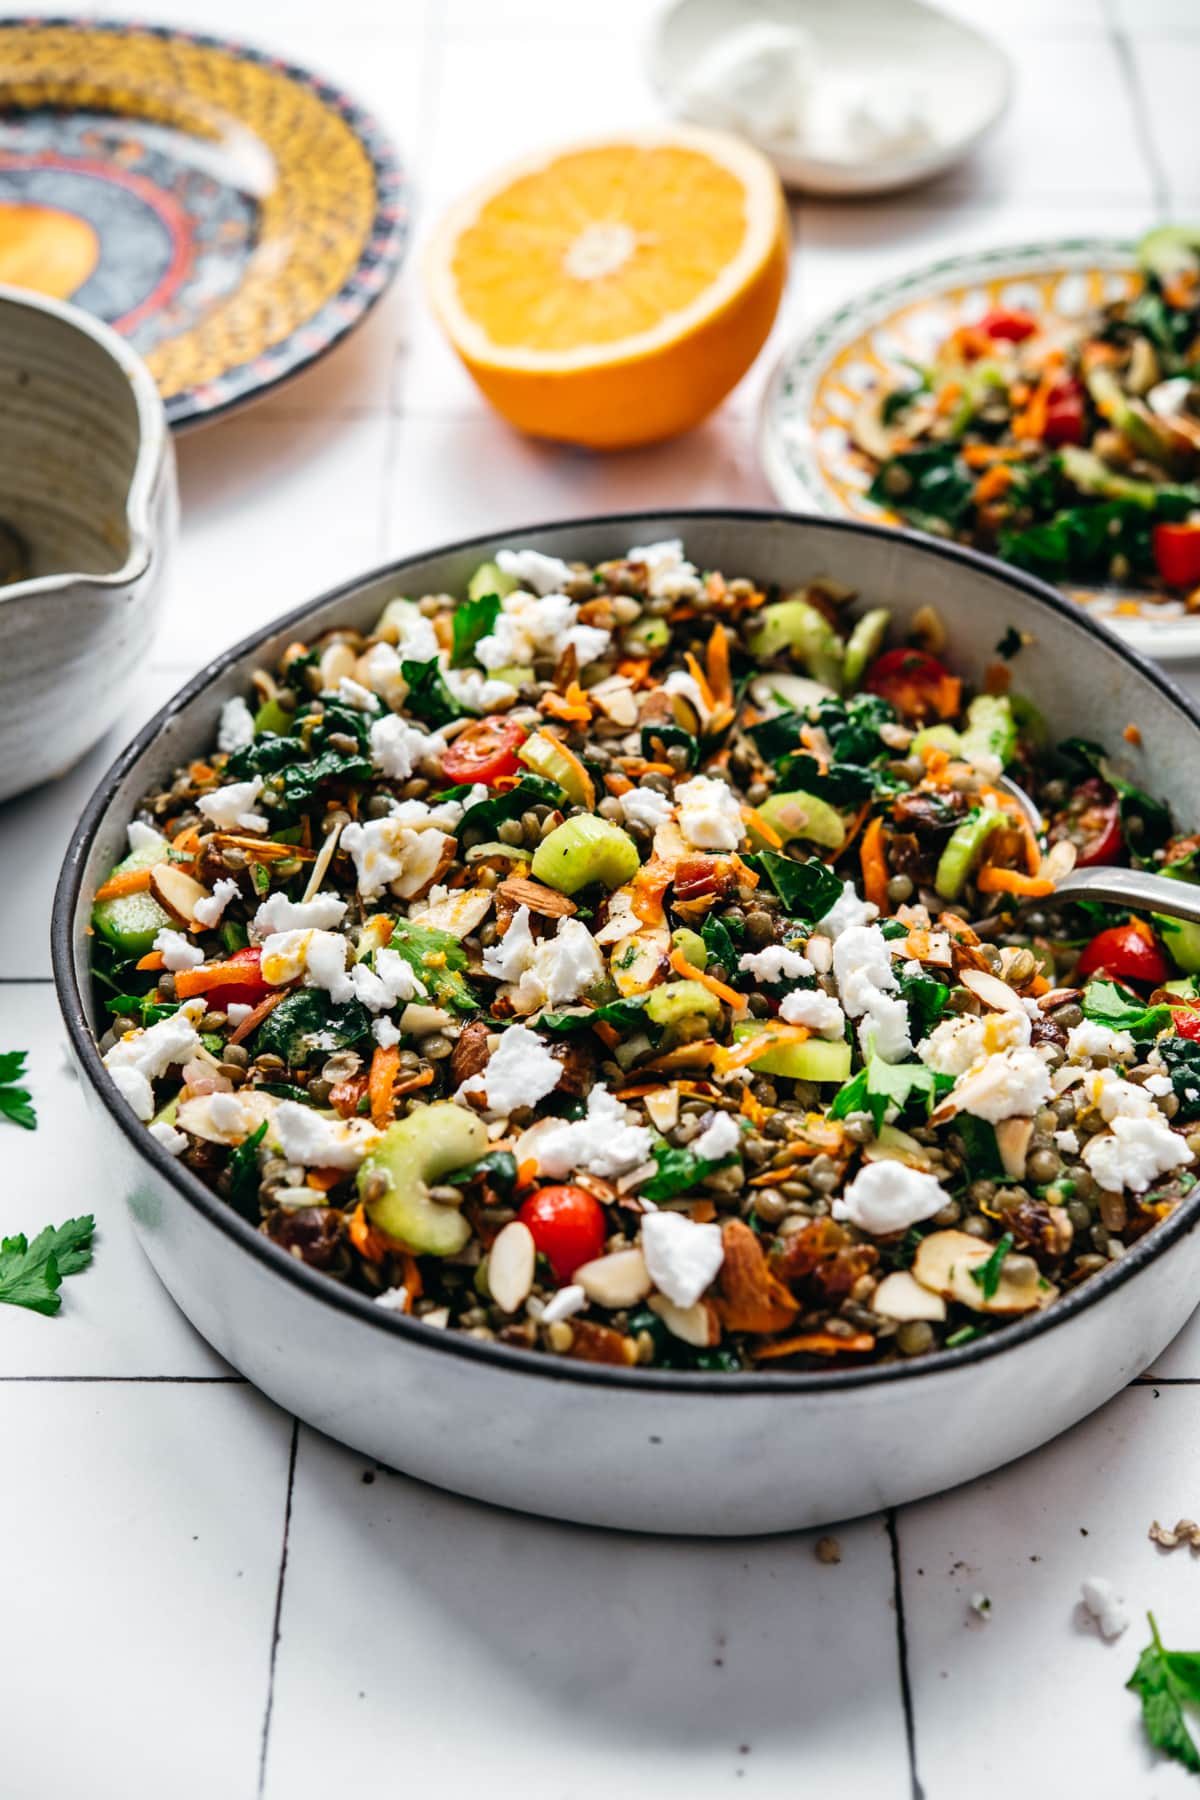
(278, 1619)
(910, 1726)
(1119, 38)
(163, 1380)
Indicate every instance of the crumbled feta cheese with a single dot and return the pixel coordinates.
(398, 748)
(318, 1141)
(392, 979)
(207, 912)
(236, 728)
(475, 691)
(1068, 1142)
(1116, 1098)
(670, 577)
(821, 1013)
(237, 1013)
(1090, 1039)
(776, 963)
(143, 837)
(646, 806)
(520, 1072)
(710, 817)
(176, 952)
(607, 1141)
(527, 628)
(1010, 1085)
(682, 1258)
(961, 1043)
(564, 1305)
(231, 808)
(721, 1139)
(393, 853)
(549, 971)
(889, 1196)
(278, 913)
(173, 1142)
(1101, 1600)
(385, 1033)
(1158, 1085)
(1134, 1152)
(139, 1058)
(393, 1299)
(320, 956)
(862, 967)
(416, 639)
(353, 693)
(846, 912)
(534, 570)
(380, 668)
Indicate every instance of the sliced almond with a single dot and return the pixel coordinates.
(510, 1266)
(1012, 1141)
(537, 897)
(638, 962)
(1058, 997)
(425, 863)
(663, 1107)
(899, 1297)
(991, 990)
(320, 868)
(931, 947)
(614, 1281)
(239, 1116)
(615, 700)
(177, 893)
(697, 1325)
(944, 1262)
(336, 663)
(1059, 860)
(893, 1145)
(418, 1021)
(460, 912)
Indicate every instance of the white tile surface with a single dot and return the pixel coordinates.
(144, 1526)
(567, 1664)
(1031, 1699)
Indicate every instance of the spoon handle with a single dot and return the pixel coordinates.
(1132, 887)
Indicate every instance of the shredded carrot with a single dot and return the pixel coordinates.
(572, 706)
(702, 1212)
(949, 398)
(607, 1035)
(153, 960)
(852, 830)
(935, 758)
(1132, 734)
(817, 1343)
(635, 669)
(992, 880)
(747, 876)
(202, 771)
(411, 1277)
(187, 843)
(527, 1172)
(324, 1179)
(648, 887)
(372, 1244)
(992, 485)
(687, 1056)
(874, 865)
(761, 829)
(690, 972)
(983, 456)
(1038, 986)
(127, 881)
(701, 680)
(618, 784)
(254, 1019)
(738, 1056)
(587, 787)
(717, 660)
(753, 1109)
(408, 1084)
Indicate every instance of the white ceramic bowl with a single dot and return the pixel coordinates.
(647, 1449)
(966, 74)
(87, 479)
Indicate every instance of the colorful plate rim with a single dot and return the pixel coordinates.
(786, 438)
(379, 259)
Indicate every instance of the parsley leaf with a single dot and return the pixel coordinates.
(926, 999)
(429, 699)
(31, 1274)
(987, 1276)
(807, 889)
(472, 620)
(243, 1174)
(15, 1101)
(143, 1007)
(1163, 1681)
(981, 1153)
(880, 1085)
(679, 1170)
(1107, 1004)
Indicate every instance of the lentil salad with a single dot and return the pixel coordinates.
(627, 963)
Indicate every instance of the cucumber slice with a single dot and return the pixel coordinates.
(131, 922)
(864, 644)
(489, 578)
(963, 850)
(817, 1059)
(1182, 939)
(585, 849)
(273, 718)
(546, 756)
(796, 625)
(692, 945)
(1185, 987)
(936, 737)
(676, 1000)
(800, 816)
(788, 693)
(991, 729)
(647, 637)
(412, 1153)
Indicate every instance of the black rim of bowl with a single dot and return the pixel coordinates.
(530, 1363)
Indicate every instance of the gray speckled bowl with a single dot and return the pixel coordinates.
(87, 485)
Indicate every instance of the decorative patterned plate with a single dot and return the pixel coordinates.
(231, 215)
(805, 443)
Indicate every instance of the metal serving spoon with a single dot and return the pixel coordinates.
(1122, 887)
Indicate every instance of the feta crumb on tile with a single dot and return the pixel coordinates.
(776, 963)
(231, 808)
(236, 727)
(819, 1011)
(177, 953)
(207, 912)
(607, 1141)
(520, 1072)
(710, 816)
(1104, 1604)
(888, 1196)
(682, 1258)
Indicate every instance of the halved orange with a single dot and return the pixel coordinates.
(613, 292)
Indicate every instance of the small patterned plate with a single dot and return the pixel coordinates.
(804, 435)
(232, 216)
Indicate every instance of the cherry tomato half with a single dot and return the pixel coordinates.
(1177, 553)
(1091, 820)
(1065, 414)
(1185, 1023)
(1128, 952)
(485, 751)
(1010, 323)
(567, 1225)
(917, 684)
